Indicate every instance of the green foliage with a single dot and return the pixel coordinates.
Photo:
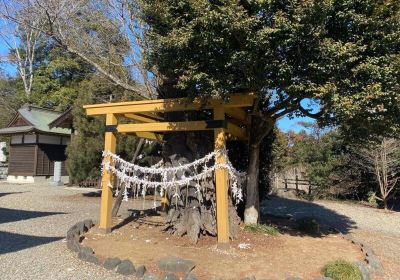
(342, 270)
(308, 225)
(343, 54)
(262, 228)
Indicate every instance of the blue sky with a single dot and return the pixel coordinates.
(284, 123)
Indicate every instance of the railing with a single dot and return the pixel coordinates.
(297, 182)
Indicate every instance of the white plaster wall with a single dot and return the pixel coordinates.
(3, 157)
(20, 179)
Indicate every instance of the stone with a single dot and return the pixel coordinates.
(87, 251)
(249, 278)
(86, 254)
(175, 264)
(364, 270)
(73, 245)
(170, 276)
(190, 276)
(294, 278)
(93, 259)
(140, 271)
(80, 228)
(149, 276)
(374, 263)
(111, 263)
(88, 223)
(126, 268)
(367, 250)
(323, 278)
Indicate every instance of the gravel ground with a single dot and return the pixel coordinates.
(378, 228)
(34, 220)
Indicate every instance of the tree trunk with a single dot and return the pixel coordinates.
(191, 212)
(260, 128)
(252, 193)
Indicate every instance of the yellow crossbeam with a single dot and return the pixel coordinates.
(178, 126)
(139, 118)
(167, 105)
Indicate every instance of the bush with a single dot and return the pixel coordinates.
(342, 270)
(308, 225)
(262, 228)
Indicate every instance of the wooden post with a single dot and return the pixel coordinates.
(221, 182)
(110, 142)
(286, 184)
(297, 183)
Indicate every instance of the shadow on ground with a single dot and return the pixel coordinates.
(8, 193)
(13, 215)
(13, 242)
(92, 194)
(292, 210)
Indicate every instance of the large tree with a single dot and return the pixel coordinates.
(335, 60)
(342, 57)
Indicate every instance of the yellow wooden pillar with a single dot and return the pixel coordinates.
(110, 142)
(221, 182)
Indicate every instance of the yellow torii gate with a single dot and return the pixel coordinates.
(230, 120)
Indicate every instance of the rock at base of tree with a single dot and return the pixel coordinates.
(175, 264)
(251, 216)
(126, 268)
(149, 276)
(111, 263)
(140, 271)
(170, 276)
(294, 278)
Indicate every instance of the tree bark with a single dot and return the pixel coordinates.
(252, 193)
(260, 128)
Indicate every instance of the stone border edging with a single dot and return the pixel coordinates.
(124, 267)
(371, 265)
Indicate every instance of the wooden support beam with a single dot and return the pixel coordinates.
(238, 114)
(167, 105)
(182, 126)
(221, 184)
(237, 131)
(148, 135)
(153, 116)
(110, 142)
(139, 118)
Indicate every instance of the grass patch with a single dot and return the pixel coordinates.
(308, 225)
(342, 270)
(262, 228)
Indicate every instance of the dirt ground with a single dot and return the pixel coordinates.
(272, 257)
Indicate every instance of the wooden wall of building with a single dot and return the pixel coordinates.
(36, 160)
(22, 160)
(46, 156)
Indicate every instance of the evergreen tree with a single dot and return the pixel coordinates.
(341, 55)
